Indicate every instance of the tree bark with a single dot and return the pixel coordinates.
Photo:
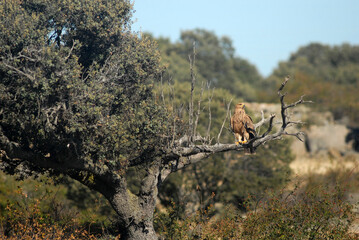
(140, 234)
(135, 214)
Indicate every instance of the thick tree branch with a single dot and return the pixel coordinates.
(20, 72)
(15, 156)
(13, 152)
(150, 182)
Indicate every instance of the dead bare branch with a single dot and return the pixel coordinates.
(174, 117)
(300, 101)
(284, 107)
(297, 135)
(262, 121)
(272, 116)
(192, 61)
(70, 52)
(210, 96)
(183, 155)
(286, 79)
(198, 110)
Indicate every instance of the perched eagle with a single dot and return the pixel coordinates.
(242, 125)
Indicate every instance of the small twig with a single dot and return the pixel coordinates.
(261, 122)
(171, 99)
(198, 110)
(297, 135)
(210, 96)
(192, 61)
(300, 101)
(26, 57)
(295, 122)
(70, 52)
(162, 95)
(224, 121)
(286, 79)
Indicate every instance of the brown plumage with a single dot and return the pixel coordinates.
(242, 125)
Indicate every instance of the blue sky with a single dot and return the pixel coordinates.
(264, 32)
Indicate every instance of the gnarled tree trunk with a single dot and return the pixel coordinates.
(135, 212)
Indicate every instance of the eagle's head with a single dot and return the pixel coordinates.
(240, 106)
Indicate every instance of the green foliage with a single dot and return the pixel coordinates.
(173, 224)
(256, 174)
(329, 76)
(318, 213)
(62, 197)
(76, 92)
(31, 216)
(232, 177)
(95, 25)
(215, 63)
(75, 81)
(64, 207)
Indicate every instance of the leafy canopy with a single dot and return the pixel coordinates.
(76, 84)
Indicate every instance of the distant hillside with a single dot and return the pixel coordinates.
(215, 63)
(327, 75)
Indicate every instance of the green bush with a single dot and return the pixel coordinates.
(27, 219)
(317, 213)
(311, 213)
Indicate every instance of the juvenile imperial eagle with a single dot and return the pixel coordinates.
(242, 125)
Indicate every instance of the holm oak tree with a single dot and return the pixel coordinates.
(76, 99)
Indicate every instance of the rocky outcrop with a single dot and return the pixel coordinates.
(322, 133)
